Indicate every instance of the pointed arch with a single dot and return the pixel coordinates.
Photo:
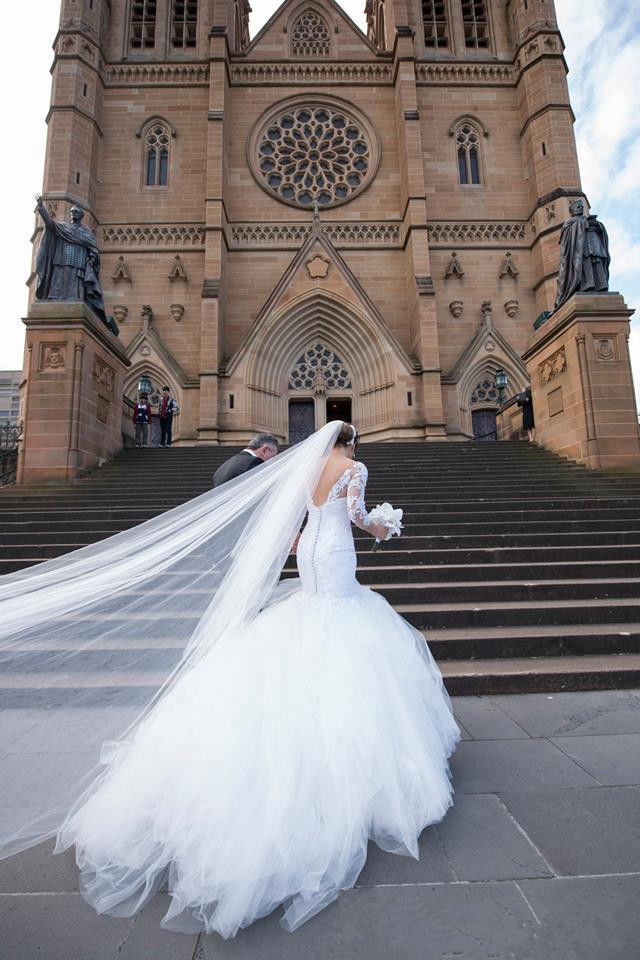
(309, 34)
(485, 368)
(467, 133)
(364, 349)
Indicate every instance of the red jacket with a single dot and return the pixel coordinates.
(140, 406)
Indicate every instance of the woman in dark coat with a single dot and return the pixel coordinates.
(525, 401)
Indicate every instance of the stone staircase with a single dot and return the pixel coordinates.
(522, 570)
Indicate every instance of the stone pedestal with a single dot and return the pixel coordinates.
(72, 393)
(583, 398)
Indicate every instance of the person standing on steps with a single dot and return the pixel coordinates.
(263, 447)
(166, 409)
(142, 419)
(525, 400)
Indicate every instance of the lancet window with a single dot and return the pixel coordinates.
(476, 24)
(156, 155)
(468, 153)
(436, 28)
(319, 369)
(310, 36)
(142, 24)
(184, 24)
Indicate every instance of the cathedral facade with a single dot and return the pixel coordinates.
(316, 223)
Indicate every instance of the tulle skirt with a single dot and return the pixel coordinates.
(259, 778)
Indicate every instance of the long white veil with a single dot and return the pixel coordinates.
(90, 641)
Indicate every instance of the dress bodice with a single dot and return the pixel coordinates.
(326, 553)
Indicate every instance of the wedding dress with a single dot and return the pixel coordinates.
(261, 774)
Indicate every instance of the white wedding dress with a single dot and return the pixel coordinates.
(258, 779)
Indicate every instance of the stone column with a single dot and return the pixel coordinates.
(73, 383)
(581, 382)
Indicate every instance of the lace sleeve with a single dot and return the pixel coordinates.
(355, 496)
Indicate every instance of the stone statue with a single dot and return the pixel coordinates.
(68, 263)
(584, 255)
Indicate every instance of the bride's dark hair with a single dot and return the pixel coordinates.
(348, 436)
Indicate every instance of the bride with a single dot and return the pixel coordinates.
(301, 721)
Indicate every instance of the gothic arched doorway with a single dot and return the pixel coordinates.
(319, 390)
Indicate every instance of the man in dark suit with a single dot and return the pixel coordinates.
(263, 447)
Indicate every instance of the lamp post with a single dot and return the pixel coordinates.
(501, 380)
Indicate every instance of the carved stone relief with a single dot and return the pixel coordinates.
(455, 308)
(605, 349)
(103, 373)
(318, 267)
(121, 271)
(454, 267)
(52, 356)
(553, 366)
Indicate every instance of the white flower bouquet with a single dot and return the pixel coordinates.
(389, 517)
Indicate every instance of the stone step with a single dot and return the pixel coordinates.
(537, 674)
(530, 613)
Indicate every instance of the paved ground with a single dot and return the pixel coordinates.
(538, 860)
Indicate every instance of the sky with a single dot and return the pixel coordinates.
(602, 51)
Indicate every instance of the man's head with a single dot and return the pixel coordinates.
(576, 208)
(144, 397)
(77, 213)
(165, 391)
(264, 445)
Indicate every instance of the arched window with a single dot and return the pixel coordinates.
(184, 24)
(476, 24)
(310, 36)
(436, 29)
(156, 155)
(142, 25)
(468, 153)
(319, 369)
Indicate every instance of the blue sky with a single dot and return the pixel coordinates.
(603, 53)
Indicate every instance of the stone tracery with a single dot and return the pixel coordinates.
(313, 153)
(310, 36)
(319, 368)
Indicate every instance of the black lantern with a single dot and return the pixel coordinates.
(144, 385)
(501, 380)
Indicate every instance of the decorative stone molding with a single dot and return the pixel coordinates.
(553, 366)
(137, 74)
(153, 235)
(425, 286)
(340, 234)
(103, 374)
(605, 349)
(211, 288)
(469, 231)
(121, 271)
(52, 356)
(500, 73)
(120, 312)
(177, 271)
(177, 311)
(511, 308)
(455, 308)
(487, 313)
(454, 267)
(318, 267)
(312, 73)
(508, 267)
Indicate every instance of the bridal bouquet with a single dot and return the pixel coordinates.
(391, 518)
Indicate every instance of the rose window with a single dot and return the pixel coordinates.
(313, 154)
(319, 369)
(485, 392)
